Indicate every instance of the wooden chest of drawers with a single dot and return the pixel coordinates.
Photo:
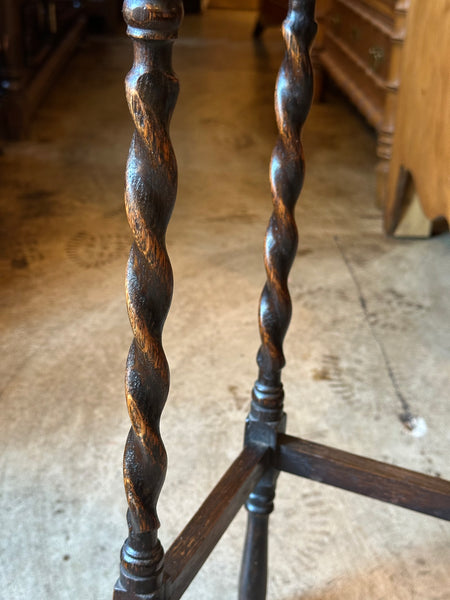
(36, 39)
(361, 50)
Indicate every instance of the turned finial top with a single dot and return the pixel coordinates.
(153, 19)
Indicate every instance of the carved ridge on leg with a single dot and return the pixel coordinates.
(151, 183)
(293, 97)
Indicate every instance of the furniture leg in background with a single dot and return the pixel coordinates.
(36, 40)
(271, 13)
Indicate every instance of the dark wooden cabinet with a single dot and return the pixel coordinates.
(36, 37)
(104, 16)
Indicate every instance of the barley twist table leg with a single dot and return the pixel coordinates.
(293, 97)
(151, 182)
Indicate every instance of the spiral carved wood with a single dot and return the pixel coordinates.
(293, 97)
(151, 182)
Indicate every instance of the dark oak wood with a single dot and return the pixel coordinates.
(254, 567)
(145, 573)
(151, 183)
(293, 97)
(409, 489)
(195, 543)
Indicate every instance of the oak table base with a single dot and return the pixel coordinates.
(146, 573)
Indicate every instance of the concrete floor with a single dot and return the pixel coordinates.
(373, 382)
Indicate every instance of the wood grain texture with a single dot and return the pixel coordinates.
(293, 97)
(421, 146)
(271, 13)
(151, 182)
(409, 489)
(254, 567)
(362, 51)
(193, 546)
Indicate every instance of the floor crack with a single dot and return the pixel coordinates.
(406, 416)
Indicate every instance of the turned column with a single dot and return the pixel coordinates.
(151, 183)
(293, 97)
(387, 128)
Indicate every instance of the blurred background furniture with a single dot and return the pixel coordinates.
(358, 45)
(36, 37)
(381, 55)
(103, 15)
(362, 51)
(271, 14)
(419, 174)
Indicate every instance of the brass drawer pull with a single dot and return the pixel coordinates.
(376, 54)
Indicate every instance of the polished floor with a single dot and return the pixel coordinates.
(368, 353)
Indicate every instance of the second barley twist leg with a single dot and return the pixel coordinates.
(293, 96)
(151, 182)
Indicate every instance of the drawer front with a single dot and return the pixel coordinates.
(355, 82)
(384, 7)
(364, 37)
